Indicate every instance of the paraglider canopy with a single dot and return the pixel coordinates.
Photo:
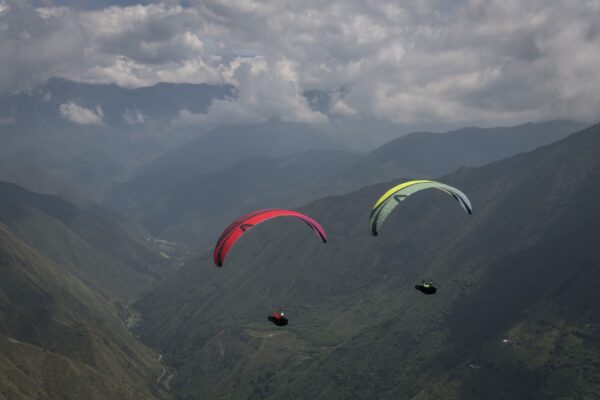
(386, 203)
(238, 227)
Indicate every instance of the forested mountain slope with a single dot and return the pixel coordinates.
(516, 314)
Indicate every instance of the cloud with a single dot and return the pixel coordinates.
(7, 121)
(265, 91)
(426, 61)
(131, 46)
(134, 116)
(81, 115)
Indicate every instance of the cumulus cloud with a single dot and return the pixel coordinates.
(131, 46)
(265, 91)
(432, 61)
(81, 115)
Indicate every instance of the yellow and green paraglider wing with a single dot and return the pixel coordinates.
(396, 195)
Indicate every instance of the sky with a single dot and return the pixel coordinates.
(455, 62)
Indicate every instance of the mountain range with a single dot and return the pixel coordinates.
(95, 247)
(88, 142)
(190, 193)
(77, 140)
(110, 204)
(516, 314)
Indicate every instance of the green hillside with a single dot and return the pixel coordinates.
(97, 249)
(516, 315)
(60, 340)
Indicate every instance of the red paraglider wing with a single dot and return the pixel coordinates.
(238, 227)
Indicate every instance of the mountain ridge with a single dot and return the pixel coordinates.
(58, 339)
(150, 199)
(358, 329)
(94, 248)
